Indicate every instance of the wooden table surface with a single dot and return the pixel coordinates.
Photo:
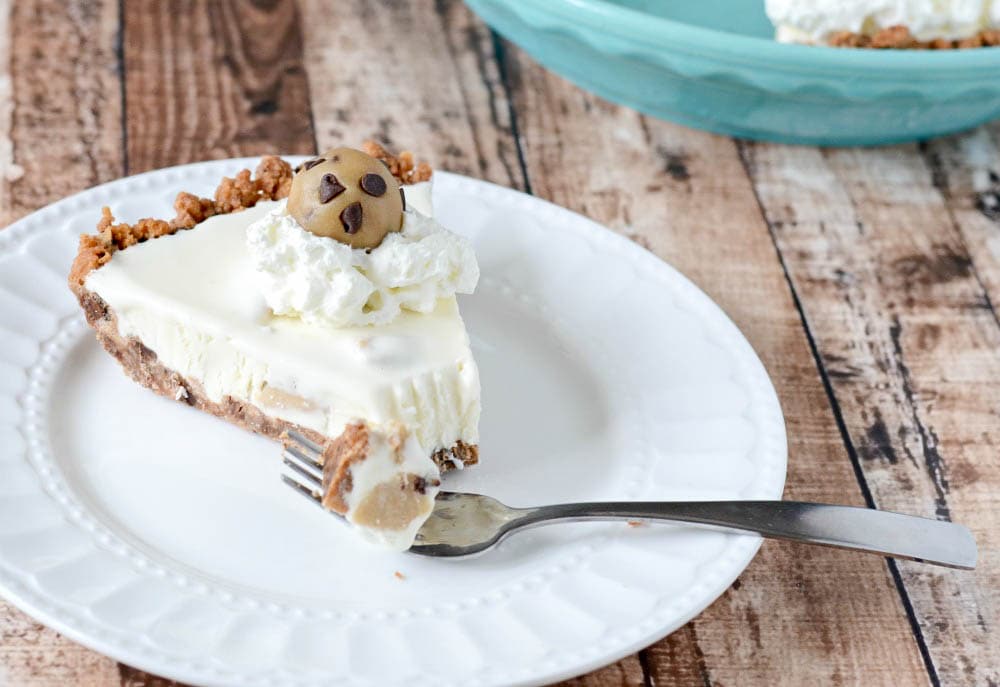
(865, 279)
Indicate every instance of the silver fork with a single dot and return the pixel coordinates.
(304, 458)
(465, 524)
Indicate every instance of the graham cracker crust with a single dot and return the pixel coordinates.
(271, 181)
(900, 38)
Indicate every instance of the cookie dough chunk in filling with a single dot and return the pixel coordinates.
(382, 481)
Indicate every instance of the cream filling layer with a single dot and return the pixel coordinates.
(385, 507)
(191, 298)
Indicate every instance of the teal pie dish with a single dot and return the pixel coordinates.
(713, 65)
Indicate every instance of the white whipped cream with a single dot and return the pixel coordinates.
(321, 280)
(815, 21)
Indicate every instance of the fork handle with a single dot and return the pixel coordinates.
(861, 529)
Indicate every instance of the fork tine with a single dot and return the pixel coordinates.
(305, 491)
(311, 477)
(305, 442)
(302, 457)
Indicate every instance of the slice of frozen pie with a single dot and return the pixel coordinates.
(321, 300)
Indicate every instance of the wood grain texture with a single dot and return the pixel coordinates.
(34, 656)
(966, 171)
(625, 673)
(211, 79)
(800, 614)
(910, 344)
(60, 119)
(60, 123)
(133, 677)
(415, 75)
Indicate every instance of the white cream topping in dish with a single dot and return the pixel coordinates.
(320, 280)
(815, 21)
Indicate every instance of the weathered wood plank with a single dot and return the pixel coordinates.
(910, 344)
(413, 75)
(679, 656)
(34, 656)
(60, 124)
(800, 614)
(212, 79)
(60, 118)
(966, 170)
(133, 677)
(625, 673)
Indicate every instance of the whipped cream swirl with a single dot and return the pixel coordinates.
(324, 281)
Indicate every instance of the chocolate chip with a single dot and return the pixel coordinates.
(329, 188)
(402, 197)
(351, 218)
(373, 185)
(420, 485)
(309, 164)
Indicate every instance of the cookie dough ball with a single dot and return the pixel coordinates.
(348, 196)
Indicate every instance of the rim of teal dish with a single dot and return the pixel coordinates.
(674, 36)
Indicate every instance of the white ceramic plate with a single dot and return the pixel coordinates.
(162, 537)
